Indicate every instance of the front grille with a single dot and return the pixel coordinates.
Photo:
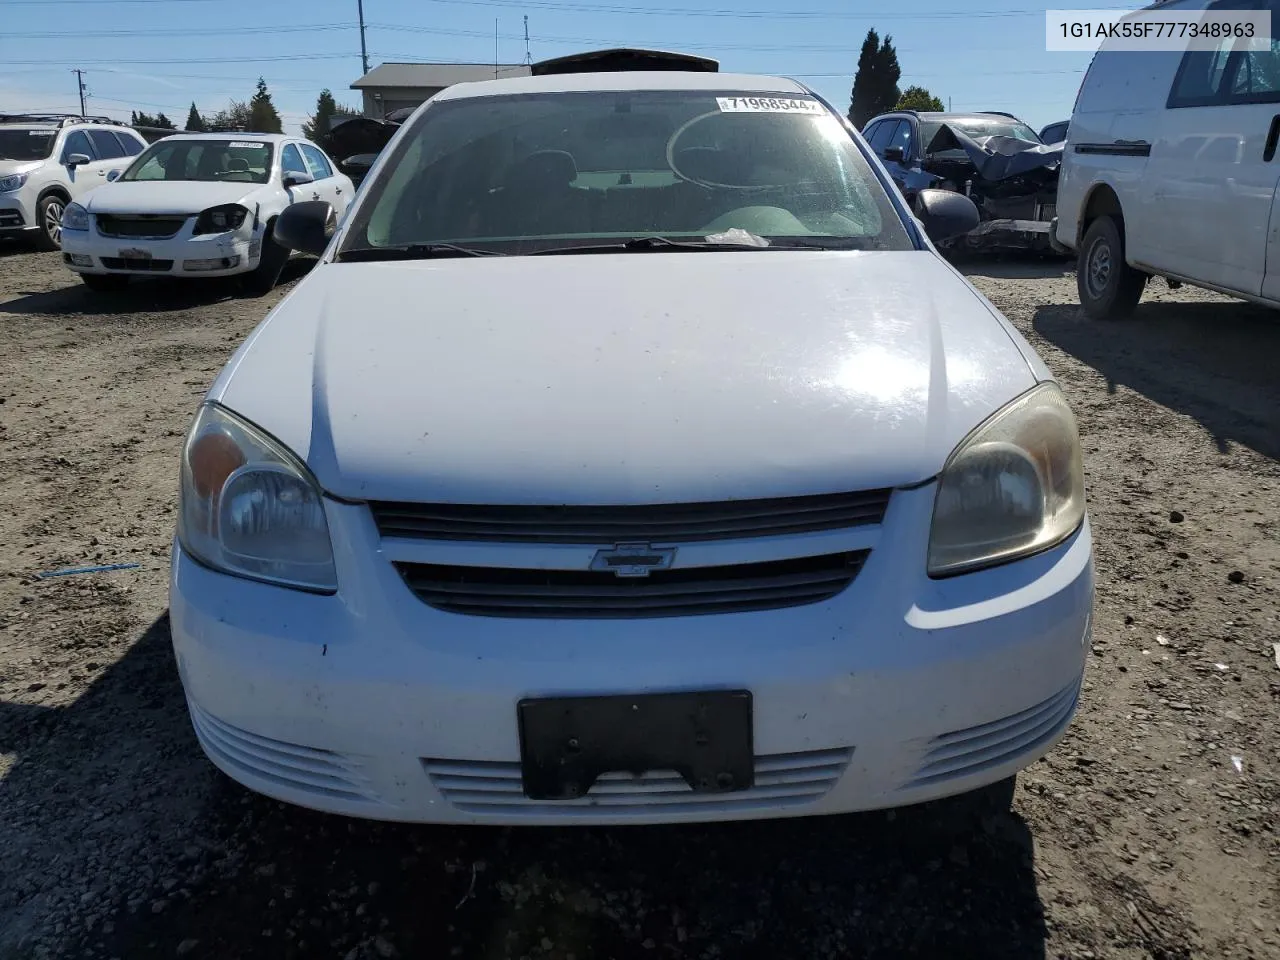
(963, 753)
(134, 263)
(781, 780)
(589, 594)
(10, 219)
(139, 226)
(648, 523)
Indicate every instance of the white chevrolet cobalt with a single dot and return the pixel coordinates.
(631, 455)
(198, 205)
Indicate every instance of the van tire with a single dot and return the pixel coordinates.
(1109, 288)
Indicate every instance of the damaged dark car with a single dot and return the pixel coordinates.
(993, 158)
(355, 142)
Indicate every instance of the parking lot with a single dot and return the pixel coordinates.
(1150, 832)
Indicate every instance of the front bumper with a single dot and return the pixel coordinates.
(372, 703)
(16, 215)
(183, 255)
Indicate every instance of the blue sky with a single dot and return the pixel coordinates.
(163, 54)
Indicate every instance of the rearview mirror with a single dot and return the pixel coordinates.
(895, 154)
(77, 160)
(306, 227)
(296, 178)
(946, 215)
(113, 175)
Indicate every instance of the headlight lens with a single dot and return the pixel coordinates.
(1014, 487)
(75, 217)
(12, 182)
(229, 216)
(249, 508)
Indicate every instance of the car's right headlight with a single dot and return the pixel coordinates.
(250, 508)
(12, 182)
(1013, 488)
(75, 217)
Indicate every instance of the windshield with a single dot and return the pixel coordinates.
(524, 173)
(978, 127)
(235, 161)
(26, 143)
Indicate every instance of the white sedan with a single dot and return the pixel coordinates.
(630, 456)
(198, 205)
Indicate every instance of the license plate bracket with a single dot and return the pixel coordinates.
(566, 743)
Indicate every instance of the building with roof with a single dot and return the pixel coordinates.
(394, 86)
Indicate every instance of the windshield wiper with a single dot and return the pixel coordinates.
(665, 244)
(647, 244)
(414, 251)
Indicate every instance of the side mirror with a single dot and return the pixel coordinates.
(946, 215)
(77, 160)
(296, 178)
(113, 175)
(895, 154)
(306, 227)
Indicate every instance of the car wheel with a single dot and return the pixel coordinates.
(1109, 288)
(105, 282)
(266, 274)
(49, 220)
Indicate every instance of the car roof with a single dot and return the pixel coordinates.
(231, 135)
(638, 80)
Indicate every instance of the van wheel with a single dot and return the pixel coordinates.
(266, 274)
(1109, 288)
(49, 222)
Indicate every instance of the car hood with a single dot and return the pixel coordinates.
(166, 196)
(10, 167)
(626, 378)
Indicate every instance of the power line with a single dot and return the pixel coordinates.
(843, 49)
(269, 59)
(175, 32)
(895, 15)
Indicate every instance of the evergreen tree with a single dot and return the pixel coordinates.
(195, 122)
(263, 117)
(875, 85)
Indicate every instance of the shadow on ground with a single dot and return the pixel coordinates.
(265, 880)
(1215, 362)
(144, 295)
(1014, 266)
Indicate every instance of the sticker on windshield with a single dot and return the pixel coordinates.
(246, 145)
(768, 105)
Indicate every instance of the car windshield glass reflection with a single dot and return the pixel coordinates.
(235, 161)
(525, 173)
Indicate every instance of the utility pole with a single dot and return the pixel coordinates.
(528, 57)
(364, 52)
(80, 86)
(495, 48)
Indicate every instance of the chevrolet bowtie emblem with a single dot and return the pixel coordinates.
(633, 559)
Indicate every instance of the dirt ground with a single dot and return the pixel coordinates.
(1149, 833)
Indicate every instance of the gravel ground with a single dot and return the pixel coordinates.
(1149, 832)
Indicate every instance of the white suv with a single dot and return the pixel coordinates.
(49, 160)
(1171, 170)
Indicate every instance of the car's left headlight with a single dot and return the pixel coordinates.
(250, 508)
(12, 182)
(75, 217)
(1013, 488)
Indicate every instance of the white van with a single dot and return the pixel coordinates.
(1170, 170)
